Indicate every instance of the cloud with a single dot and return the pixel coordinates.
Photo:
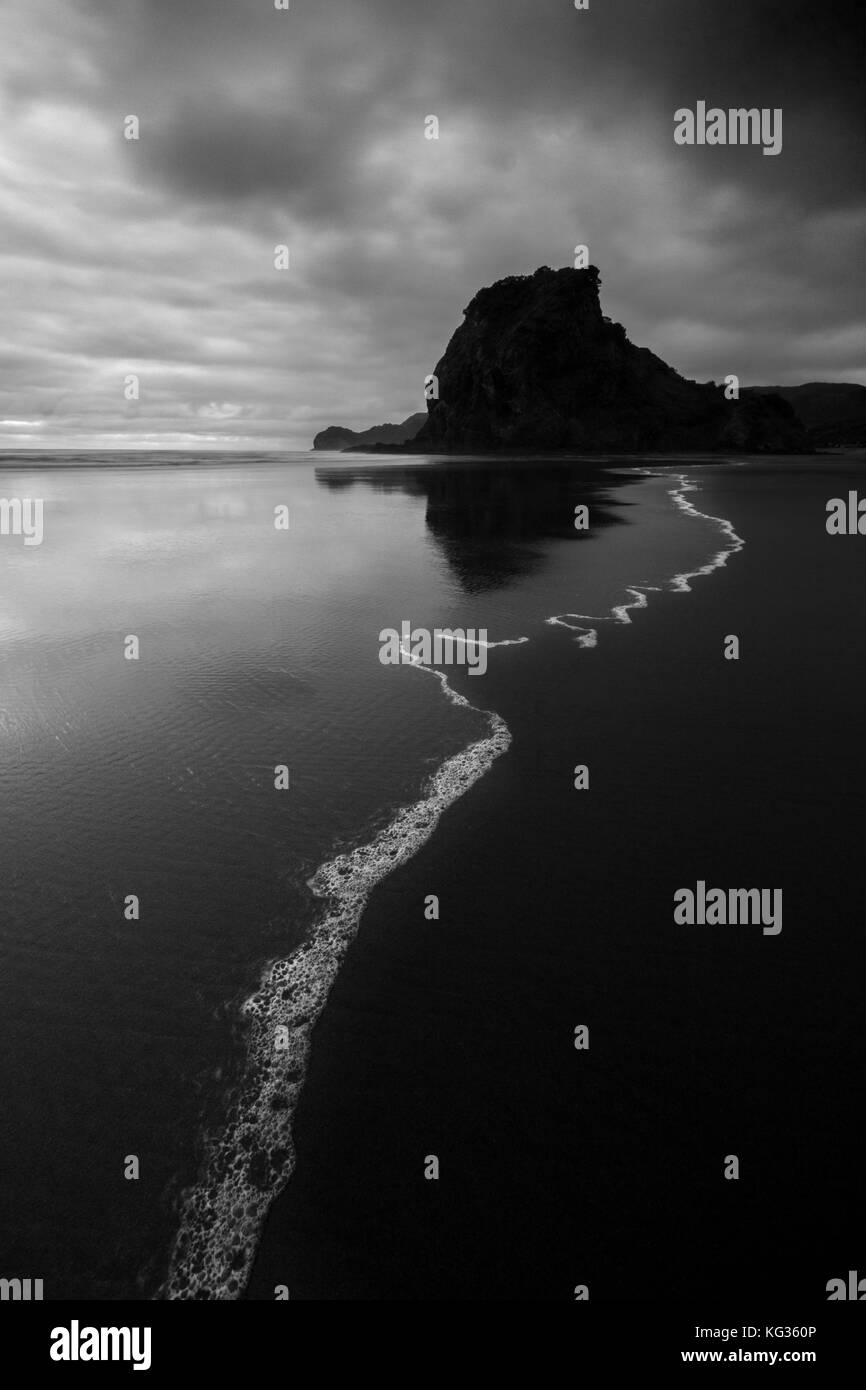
(261, 127)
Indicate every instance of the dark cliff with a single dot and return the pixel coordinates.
(536, 366)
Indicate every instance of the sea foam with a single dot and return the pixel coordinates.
(254, 1157)
(621, 612)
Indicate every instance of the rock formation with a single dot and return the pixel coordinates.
(536, 366)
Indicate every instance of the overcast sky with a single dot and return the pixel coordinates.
(306, 127)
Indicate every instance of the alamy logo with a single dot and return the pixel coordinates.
(444, 646)
(731, 906)
(846, 519)
(75, 1343)
(20, 1290)
(736, 126)
(22, 516)
(836, 1290)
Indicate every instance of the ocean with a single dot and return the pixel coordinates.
(275, 1014)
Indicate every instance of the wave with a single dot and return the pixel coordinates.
(621, 612)
(680, 582)
(253, 1159)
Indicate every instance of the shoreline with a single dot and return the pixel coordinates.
(697, 457)
(328, 876)
(456, 1038)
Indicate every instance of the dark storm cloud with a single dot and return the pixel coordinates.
(508, 60)
(260, 127)
(233, 152)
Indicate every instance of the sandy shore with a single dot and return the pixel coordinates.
(455, 1038)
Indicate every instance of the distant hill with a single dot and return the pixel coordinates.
(834, 413)
(338, 437)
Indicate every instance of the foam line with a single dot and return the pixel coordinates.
(621, 612)
(254, 1157)
(680, 582)
(588, 636)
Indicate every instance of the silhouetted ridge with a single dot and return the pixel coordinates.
(338, 437)
(834, 412)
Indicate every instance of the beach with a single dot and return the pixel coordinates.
(604, 1167)
(290, 1031)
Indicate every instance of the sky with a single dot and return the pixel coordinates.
(305, 127)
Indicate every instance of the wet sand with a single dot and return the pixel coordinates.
(454, 1038)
